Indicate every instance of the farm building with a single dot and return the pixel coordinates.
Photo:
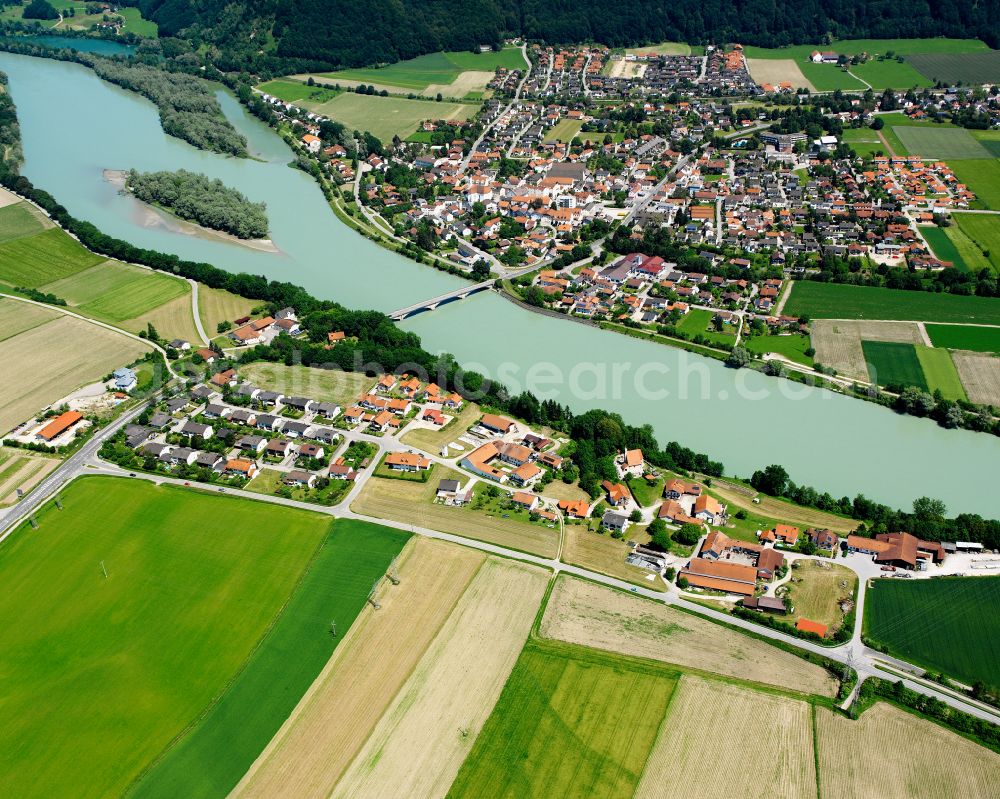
(719, 546)
(766, 604)
(902, 550)
(733, 578)
(59, 425)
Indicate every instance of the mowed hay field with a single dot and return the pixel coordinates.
(386, 117)
(340, 710)
(73, 353)
(570, 722)
(604, 554)
(17, 317)
(778, 70)
(214, 754)
(20, 219)
(412, 502)
(730, 741)
(114, 292)
(838, 342)
(101, 673)
(421, 742)
(218, 305)
(940, 373)
(949, 624)
(735, 494)
(329, 385)
(893, 754)
(941, 142)
(843, 301)
(588, 614)
(818, 589)
(983, 231)
(980, 374)
(35, 260)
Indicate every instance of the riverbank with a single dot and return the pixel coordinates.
(152, 216)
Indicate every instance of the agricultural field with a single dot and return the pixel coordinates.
(708, 717)
(564, 131)
(418, 746)
(604, 554)
(35, 260)
(173, 319)
(940, 373)
(386, 117)
(983, 177)
(570, 722)
(413, 503)
(329, 385)
(980, 375)
(864, 141)
(964, 337)
(21, 219)
(910, 757)
(308, 755)
(945, 143)
(951, 244)
(584, 613)
(890, 74)
(983, 232)
(838, 342)
(434, 72)
(792, 347)
(114, 292)
(778, 70)
(666, 48)
(292, 91)
(949, 624)
(131, 659)
(219, 305)
(17, 317)
(967, 68)
(843, 301)
(74, 352)
(816, 589)
(892, 363)
(213, 754)
(21, 469)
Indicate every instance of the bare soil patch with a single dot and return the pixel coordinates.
(336, 716)
(980, 375)
(910, 757)
(765, 740)
(422, 740)
(591, 615)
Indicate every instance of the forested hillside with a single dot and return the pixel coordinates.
(357, 32)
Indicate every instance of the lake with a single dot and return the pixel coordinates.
(75, 126)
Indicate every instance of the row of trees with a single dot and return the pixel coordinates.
(201, 199)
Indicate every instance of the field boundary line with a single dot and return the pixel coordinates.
(659, 730)
(193, 724)
(815, 747)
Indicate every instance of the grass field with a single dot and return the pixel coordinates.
(386, 117)
(564, 131)
(817, 588)
(842, 301)
(309, 754)
(983, 231)
(940, 373)
(792, 347)
(980, 375)
(941, 143)
(35, 260)
(949, 624)
(17, 317)
(173, 319)
(412, 503)
(114, 292)
(418, 746)
(697, 321)
(130, 660)
(708, 716)
(864, 141)
(580, 612)
(959, 337)
(19, 220)
(890, 74)
(893, 363)
(733, 494)
(950, 244)
(982, 177)
(434, 69)
(212, 757)
(910, 757)
(570, 722)
(606, 555)
(291, 91)
(219, 305)
(663, 48)
(967, 68)
(74, 352)
(327, 385)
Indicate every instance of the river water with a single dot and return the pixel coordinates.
(75, 126)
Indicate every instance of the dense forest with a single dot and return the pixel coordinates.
(358, 32)
(200, 199)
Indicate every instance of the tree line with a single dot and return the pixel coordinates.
(201, 199)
